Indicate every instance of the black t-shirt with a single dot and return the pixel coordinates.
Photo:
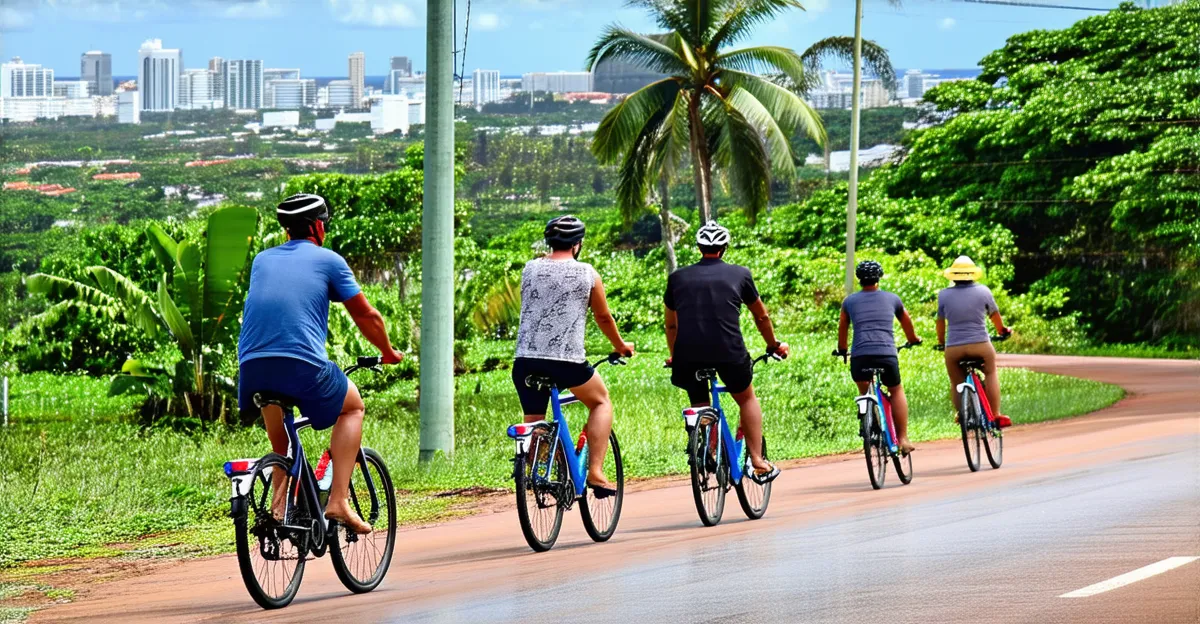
(708, 298)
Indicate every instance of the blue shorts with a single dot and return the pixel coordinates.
(319, 391)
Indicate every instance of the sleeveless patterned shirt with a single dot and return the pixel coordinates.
(555, 295)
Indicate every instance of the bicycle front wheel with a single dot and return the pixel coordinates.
(874, 447)
(600, 515)
(903, 464)
(968, 420)
(271, 552)
(539, 508)
(752, 496)
(993, 443)
(709, 473)
(361, 561)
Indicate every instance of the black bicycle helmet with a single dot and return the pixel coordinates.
(868, 271)
(564, 232)
(300, 211)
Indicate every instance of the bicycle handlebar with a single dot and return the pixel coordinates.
(371, 362)
(845, 355)
(614, 358)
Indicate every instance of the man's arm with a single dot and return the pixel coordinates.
(906, 324)
(672, 322)
(998, 323)
(844, 331)
(762, 321)
(370, 323)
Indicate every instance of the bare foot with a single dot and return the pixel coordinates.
(279, 503)
(341, 512)
(600, 481)
(906, 447)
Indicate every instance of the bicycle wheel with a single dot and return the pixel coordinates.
(539, 496)
(270, 555)
(600, 515)
(752, 496)
(968, 420)
(709, 473)
(361, 561)
(993, 443)
(874, 447)
(903, 464)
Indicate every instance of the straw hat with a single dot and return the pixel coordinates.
(963, 269)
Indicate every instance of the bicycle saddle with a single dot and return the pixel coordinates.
(706, 374)
(263, 399)
(971, 363)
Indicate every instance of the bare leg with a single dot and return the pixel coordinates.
(957, 376)
(273, 419)
(900, 416)
(344, 446)
(751, 417)
(992, 380)
(594, 394)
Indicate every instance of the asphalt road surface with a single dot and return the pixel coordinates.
(1095, 519)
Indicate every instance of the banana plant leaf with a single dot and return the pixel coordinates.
(186, 284)
(175, 321)
(165, 248)
(230, 233)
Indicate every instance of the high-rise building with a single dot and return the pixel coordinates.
(72, 89)
(612, 76)
(19, 79)
(358, 67)
(280, 74)
(340, 94)
(129, 107)
(216, 65)
(557, 82)
(159, 69)
(197, 90)
(914, 83)
(291, 94)
(398, 67)
(96, 68)
(243, 84)
(485, 86)
(403, 64)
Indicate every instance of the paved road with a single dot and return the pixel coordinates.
(1077, 503)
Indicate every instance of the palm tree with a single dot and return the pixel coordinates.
(715, 107)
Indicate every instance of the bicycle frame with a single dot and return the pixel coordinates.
(732, 444)
(975, 385)
(875, 395)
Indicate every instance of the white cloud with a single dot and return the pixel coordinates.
(487, 21)
(947, 23)
(377, 13)
(12, 18)
(251, 9)
(816, 6)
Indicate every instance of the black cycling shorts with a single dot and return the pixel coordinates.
(737, 376)
(565, 375)
(859, 365)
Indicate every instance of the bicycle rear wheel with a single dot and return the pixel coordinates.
(600, 515)
(540, 495)
(968, 420)
(270, 555)
(903, 464)
(753, 497)
(993, 443)
(361, 561)
(709, 473)
(874, 447)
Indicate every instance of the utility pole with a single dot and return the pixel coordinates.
(437, 238)
(856, 112)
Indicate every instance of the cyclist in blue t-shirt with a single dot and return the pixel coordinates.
(282, 345)
(872, 311)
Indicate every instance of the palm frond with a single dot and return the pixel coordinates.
(637, 168)
(625, 122)
(788, 109)
(672, 151)
(874, 57)
(668, 14)
(765, 60)
(741, 153)
(744, 15)
(775, 142)
(62, 289)
(620, 44)
(52, 315)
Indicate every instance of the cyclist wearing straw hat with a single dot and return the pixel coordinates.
(961, 327)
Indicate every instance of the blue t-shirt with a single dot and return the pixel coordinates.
(287, 307)
(871, 313)
(965, 308)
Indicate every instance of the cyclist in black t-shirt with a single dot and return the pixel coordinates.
(703, 305)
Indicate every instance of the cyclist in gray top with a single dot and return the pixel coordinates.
(872, 312)
(556, 292)
(962, 310)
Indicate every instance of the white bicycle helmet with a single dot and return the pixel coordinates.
(712, 234)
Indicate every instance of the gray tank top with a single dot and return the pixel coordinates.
(554, 303)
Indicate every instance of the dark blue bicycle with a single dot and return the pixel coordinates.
(275, 537)
(550, 470)
(718, 458)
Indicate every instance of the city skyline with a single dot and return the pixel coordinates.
(953, 35)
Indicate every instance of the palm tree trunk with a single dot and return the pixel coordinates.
(700, 169)
(664, 218)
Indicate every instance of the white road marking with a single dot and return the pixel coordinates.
(1140, 574)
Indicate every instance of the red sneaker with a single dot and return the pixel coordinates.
(1003, 421)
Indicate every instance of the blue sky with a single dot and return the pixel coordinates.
(513, 36)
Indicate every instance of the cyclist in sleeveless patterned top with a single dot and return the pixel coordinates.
(556, 292)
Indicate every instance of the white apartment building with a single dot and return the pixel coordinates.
(159, 69)
(340, 95)
(291, 94)
(32, 108)
(96, 68)
(243, 84)
(73, 89)
(358, 75)
(198, 90)
(129, 107)
(485, 86)
(281, 119)
(557, 82)
(914, 83)
(21, 79)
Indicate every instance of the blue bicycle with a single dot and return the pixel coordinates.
(878, 429)
(717, 458)
(550, 470)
